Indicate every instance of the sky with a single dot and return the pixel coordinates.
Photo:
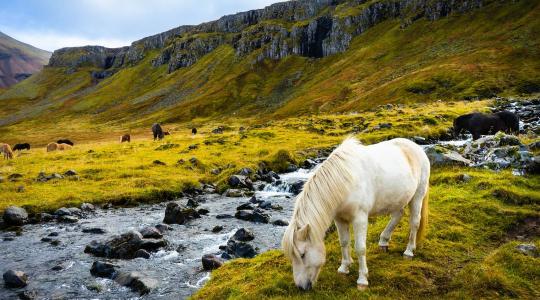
(54, 24)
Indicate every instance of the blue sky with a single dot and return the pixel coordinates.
(53, 24)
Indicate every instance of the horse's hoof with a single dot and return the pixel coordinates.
(407, 257)
(384, 248)
(362, 287)
(343, 270)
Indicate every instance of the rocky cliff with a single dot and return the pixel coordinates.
(309, 28)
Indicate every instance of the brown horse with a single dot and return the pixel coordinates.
(60, 147)
(6, 149)
(166, 133)
(125, 138)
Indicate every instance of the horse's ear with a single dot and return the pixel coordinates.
(303, 233)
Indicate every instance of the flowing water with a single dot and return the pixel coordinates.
(179, 273)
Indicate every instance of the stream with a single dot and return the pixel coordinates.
(178, 271)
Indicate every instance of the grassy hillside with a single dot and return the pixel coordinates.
(478, 54)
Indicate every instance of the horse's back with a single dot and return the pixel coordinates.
(395, 170)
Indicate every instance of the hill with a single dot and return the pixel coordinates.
(288, 59)
(19, 60)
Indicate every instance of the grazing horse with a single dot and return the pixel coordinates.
(125, 138)
(19, 147)
(60, 147)
(194, 131)
(356, 182)
(157, 131)
(65, 142)
(482, 124)
(6, 150)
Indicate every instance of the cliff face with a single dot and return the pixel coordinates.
(18, 60)
(316, 28)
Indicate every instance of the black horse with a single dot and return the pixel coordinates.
(482, 124)
(194, 131)
(19, 147)
(66, 141)
(157, 131)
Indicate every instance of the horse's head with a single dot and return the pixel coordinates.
(306, 254)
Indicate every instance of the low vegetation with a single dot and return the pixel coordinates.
(146, 171)
(469, 252)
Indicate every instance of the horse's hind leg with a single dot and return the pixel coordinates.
(344, 241)
(360, 226)
(415, 210)
(387, 233)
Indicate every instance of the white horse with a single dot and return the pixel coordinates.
(355, 182)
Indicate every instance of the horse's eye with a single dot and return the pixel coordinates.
(302, 256)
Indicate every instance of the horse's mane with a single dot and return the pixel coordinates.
(327, 188)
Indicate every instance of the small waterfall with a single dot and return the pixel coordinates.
(287, 183)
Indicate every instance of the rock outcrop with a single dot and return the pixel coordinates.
(306, 28)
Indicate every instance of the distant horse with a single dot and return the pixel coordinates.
(65, 142)
(194, 131)
(60, 147)
(157, 131)
(166, 133)
(6, 150)
(356, 182)
(19, 147)
(483, 124)
(125, 138)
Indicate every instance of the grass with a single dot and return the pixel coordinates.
(469, 252)
(125, 173)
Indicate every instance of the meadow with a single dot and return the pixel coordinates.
(127, 174)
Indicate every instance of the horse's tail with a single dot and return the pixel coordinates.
(423, 217)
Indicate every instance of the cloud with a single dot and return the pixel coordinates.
(55, 24)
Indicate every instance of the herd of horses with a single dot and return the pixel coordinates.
(65, 144)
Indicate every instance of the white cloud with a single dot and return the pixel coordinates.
(51, 41)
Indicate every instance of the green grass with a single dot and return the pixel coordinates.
(469, 252)
(125, 173)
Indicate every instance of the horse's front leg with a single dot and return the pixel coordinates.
(344, 241)
(360, 226)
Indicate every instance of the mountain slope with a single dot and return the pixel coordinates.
(292, 58)
(19, 60)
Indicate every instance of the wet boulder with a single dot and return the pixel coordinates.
(217, 228)
(236, 193)
(15, 216)
(245, 206)
(163, 227)
(296, 187)
(102, 269)
(15, 279)
(291, 168)
(124, 246)
(151, 233)
(240, 249)
(94, 230)
(265, 205)
(210, 262)
(224, 216)
(243, 235)
(179, 214)
(309, 163)
(245, 172)
(240, 181)
(257, 216)
(136, 281)
(280, 223)
(203, 211)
